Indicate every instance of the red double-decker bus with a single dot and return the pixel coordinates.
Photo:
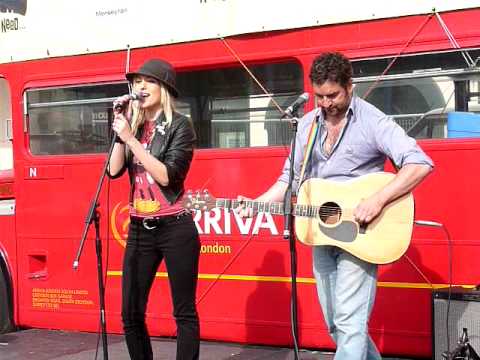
(61, 66)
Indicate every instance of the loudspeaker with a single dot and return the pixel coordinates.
(464, 313)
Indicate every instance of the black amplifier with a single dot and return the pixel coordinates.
(464, 313)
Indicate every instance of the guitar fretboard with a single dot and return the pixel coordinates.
(274, 208)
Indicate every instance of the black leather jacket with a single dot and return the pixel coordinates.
(174, 148)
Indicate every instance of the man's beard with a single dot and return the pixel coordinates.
(336, 110)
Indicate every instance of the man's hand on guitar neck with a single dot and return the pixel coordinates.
(274, 194)
(242, 209)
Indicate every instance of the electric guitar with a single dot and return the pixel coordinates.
(324, 216)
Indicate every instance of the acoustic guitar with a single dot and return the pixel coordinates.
(324, 216)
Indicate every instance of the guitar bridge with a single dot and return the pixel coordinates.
(362, 228)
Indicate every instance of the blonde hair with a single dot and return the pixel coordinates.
(167, 106)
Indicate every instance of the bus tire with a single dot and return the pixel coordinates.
(6, 323)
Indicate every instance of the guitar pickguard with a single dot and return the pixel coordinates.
(346, 231)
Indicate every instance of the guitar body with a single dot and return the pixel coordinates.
(382, 241)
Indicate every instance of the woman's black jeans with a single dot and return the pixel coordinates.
(176, 240)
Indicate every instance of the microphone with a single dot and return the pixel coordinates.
(292, 109)
(118, 105)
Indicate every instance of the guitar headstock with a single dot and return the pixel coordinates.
(199, 200)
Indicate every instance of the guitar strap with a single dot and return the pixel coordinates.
(312, 136)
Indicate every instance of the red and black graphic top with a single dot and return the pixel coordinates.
(148, 200)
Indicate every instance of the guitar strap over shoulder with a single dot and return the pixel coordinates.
(312, 136)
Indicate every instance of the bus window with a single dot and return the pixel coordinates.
(71, 120)
(229, 110)
(419, 90)
(6, 154)
(409, 100)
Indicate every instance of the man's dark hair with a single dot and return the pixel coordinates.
(332, 66)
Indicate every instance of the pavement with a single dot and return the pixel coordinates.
(37, 344)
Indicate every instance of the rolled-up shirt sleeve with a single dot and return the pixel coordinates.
(285, 175)
(393, 141)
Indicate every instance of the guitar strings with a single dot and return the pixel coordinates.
(300, 209)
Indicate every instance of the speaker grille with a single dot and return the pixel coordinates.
(463, 314)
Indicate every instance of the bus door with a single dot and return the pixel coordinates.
(7, 209)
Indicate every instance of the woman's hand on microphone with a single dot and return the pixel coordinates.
(122, 127)
(122, 114)
(121, 103)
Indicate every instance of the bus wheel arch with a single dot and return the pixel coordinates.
(6, 299)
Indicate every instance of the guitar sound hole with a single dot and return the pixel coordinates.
(330, 213)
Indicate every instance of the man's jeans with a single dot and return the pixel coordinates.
(346, 289)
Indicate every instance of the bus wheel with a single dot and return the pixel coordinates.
(5, 305)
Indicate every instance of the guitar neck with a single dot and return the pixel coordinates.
(274, 208)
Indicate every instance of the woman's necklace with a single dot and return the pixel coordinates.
(148, 130)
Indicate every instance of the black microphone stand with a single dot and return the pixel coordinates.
(93, 215)
(463, 351)
(288, 235)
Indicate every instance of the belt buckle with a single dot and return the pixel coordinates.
(146, 226)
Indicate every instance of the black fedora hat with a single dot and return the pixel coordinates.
(159, 70)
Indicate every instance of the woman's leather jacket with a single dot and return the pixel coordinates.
(173, 145)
